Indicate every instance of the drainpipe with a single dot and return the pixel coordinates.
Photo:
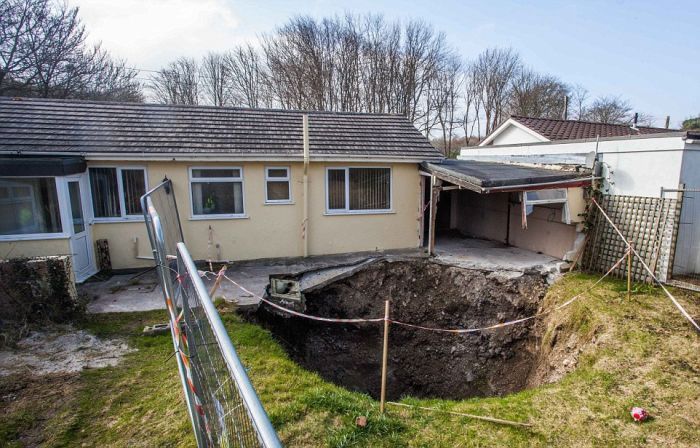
(305, 222)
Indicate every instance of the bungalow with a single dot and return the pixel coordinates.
(72, 173)
(631, 161)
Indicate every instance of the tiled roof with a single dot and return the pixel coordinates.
(575, 129)
(73, 126)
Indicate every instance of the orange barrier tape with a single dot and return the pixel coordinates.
(421, 327)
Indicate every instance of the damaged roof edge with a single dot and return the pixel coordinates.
(487, 177)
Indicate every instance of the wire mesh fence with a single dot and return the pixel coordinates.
(223, 406)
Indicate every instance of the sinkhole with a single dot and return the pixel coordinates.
(420, 363)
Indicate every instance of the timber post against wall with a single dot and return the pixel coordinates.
(435, 188)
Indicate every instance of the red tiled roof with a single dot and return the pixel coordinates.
(575, 129)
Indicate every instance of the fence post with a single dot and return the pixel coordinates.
(385, 355)
(629, 272)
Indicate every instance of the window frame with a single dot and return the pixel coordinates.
(287, 178)
(346, 210)
(120, 192)
(565, 215)
(61, 191)
(241, 179)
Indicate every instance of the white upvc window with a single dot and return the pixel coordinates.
(553, 198)
(278, 186)
(116, 192)
(217, 192)
(30, 208)
(358, 190)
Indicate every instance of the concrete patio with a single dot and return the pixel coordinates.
(140, 291)
(475, 253)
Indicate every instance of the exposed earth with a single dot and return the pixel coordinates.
(421, 363)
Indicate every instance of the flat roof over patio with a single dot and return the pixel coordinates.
(487, 177)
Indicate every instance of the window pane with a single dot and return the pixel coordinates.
(216, 172)
(29, 206)
(542, 195)
(278, 191)
(277, 172)
(370, 189)
(76, 206)
(217, 198)
(105, 194)
(336, 189)
(134, 184)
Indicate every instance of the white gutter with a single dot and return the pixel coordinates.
(188, 157)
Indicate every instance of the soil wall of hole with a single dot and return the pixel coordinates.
(421, 363)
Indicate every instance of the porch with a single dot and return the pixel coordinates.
(503, 215)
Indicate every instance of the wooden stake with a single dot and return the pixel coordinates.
(217, 282)
(629, 273)
(435, 185)
(385, 356)
(461, 414)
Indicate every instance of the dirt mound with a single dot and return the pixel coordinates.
(421, 363)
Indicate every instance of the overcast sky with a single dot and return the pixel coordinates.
(646, 51)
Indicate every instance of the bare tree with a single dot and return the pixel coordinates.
(111, 81)
(178, 83)
(610, 109)
(645, 119)
(18, 20)
(446, 102)
(490, 81)
(215, 79)
(537, 95)
(578, 102)
(43, 53)
(248, 80)
(356, 63)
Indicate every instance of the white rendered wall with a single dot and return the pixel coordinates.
(639, 166)
(514, 135)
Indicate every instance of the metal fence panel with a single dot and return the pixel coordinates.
(230, 412)
(161, 199)
(223, 406)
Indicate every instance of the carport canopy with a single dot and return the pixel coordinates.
(492, 177)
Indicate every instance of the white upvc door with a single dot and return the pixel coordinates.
(79, 226)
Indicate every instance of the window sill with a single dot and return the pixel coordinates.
(360, 212)
(115, 220)
(280, 203)
(217, 217)
(34, 237)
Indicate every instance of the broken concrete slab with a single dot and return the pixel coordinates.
(504, 260)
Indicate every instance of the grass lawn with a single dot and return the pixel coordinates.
(644, 353)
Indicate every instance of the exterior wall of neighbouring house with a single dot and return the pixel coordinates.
(514, 135)
(637, 166)
(486, 215)
(34, 248)
(272, 231)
